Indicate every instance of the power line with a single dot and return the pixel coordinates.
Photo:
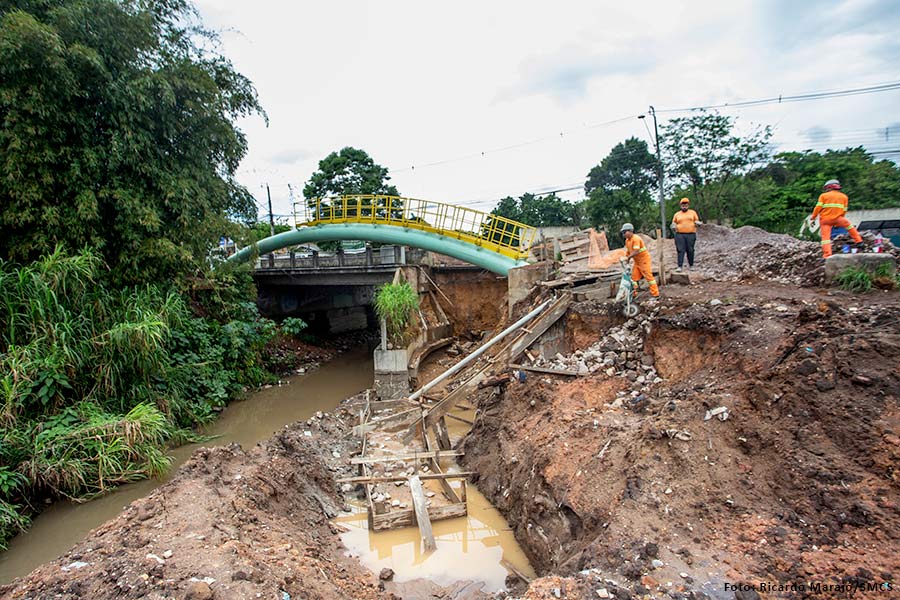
(781, 99)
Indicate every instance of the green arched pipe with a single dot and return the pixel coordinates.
(385, 234)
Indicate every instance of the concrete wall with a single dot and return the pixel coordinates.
(520, 281)
(869, 261)
(880, 214)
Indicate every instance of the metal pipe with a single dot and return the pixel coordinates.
(461, 364)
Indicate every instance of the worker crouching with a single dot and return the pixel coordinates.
(831, 208)
(636, 250)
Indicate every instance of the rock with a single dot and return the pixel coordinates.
(807, 366)
(602, 593)
(386, 574)
(240, 575)
(823, 385)
(647, 360)
(346, 487)
(656, 563)
(715, 302)
(198, 590)
(167, 554)
(395, 503)
(610, 372)
(651, 550)
(631, 375)
(861, 380)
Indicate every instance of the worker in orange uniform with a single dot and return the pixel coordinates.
(684, 224)
(636, 250)
(831, 208)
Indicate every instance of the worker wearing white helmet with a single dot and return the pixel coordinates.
(831, 208)
(636, 250)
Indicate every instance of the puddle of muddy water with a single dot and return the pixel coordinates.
(468, 549)
(246, 422)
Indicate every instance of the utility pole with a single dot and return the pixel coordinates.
(662, 205)
(271, 217)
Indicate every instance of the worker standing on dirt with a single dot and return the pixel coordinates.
(831, 208)
(684, 224)
(636, 250)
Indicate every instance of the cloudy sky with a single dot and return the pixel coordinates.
(467, 102)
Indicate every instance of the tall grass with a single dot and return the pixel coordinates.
(395, 303)
(94, 380)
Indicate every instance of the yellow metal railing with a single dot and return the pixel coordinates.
(492, 232)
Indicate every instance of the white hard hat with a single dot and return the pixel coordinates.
(627, 227)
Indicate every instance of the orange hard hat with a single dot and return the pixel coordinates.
(685, 201)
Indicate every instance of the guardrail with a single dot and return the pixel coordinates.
(493, 232)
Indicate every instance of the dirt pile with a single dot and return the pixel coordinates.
(728, 254)
(231, 524)
(798, 485)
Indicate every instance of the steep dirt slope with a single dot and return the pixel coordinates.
(799, 484)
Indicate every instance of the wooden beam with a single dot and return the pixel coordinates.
(566, 372)
(466, 421)
(421, 510)
(360, 460)
(386, 479)
(407, 517)
(441, 434)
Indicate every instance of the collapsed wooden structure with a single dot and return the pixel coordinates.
(405, 446)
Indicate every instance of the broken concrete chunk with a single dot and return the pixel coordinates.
(719, 410)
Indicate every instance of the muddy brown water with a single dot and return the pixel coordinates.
(246, 422)
(469, 548)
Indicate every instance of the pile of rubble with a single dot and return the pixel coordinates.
(620, 352)
(749, 252)
(732, 254)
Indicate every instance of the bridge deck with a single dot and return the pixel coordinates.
(492, 232)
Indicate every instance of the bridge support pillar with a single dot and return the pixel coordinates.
(520, 280)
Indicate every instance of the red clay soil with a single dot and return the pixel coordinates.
(230, 524)
(477, 299)
(799, 485)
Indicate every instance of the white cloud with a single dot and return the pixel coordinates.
(414, 83)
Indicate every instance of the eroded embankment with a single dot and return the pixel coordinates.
(617, 473)
(230, 524)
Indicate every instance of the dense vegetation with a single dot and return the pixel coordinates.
(117, 158)
(730, 178)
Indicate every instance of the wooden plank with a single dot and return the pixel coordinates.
(512, 569)
(360, 460)
(441, 434)
(544, 370)
(407, 517)
(458, 418)
(421, 510)
(389, 479)
(509, 354)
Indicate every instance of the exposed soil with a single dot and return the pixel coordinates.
(477, 299)
(615, 482)
(604, 475)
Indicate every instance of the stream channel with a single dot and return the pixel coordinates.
(469, 548)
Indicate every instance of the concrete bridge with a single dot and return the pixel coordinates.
(489, 241)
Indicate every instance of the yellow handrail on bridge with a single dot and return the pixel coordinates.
(492, 232)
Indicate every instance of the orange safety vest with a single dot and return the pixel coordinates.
(637, 244)
(686, 221)
(831, 205)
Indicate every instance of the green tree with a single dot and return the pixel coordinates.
(537, 210)
(704, 155)
(620, 188)
(508, 207)
(117, 131)
(783, 192)
(350, 171)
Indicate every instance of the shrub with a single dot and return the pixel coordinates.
(292, 326)
(395, 303)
